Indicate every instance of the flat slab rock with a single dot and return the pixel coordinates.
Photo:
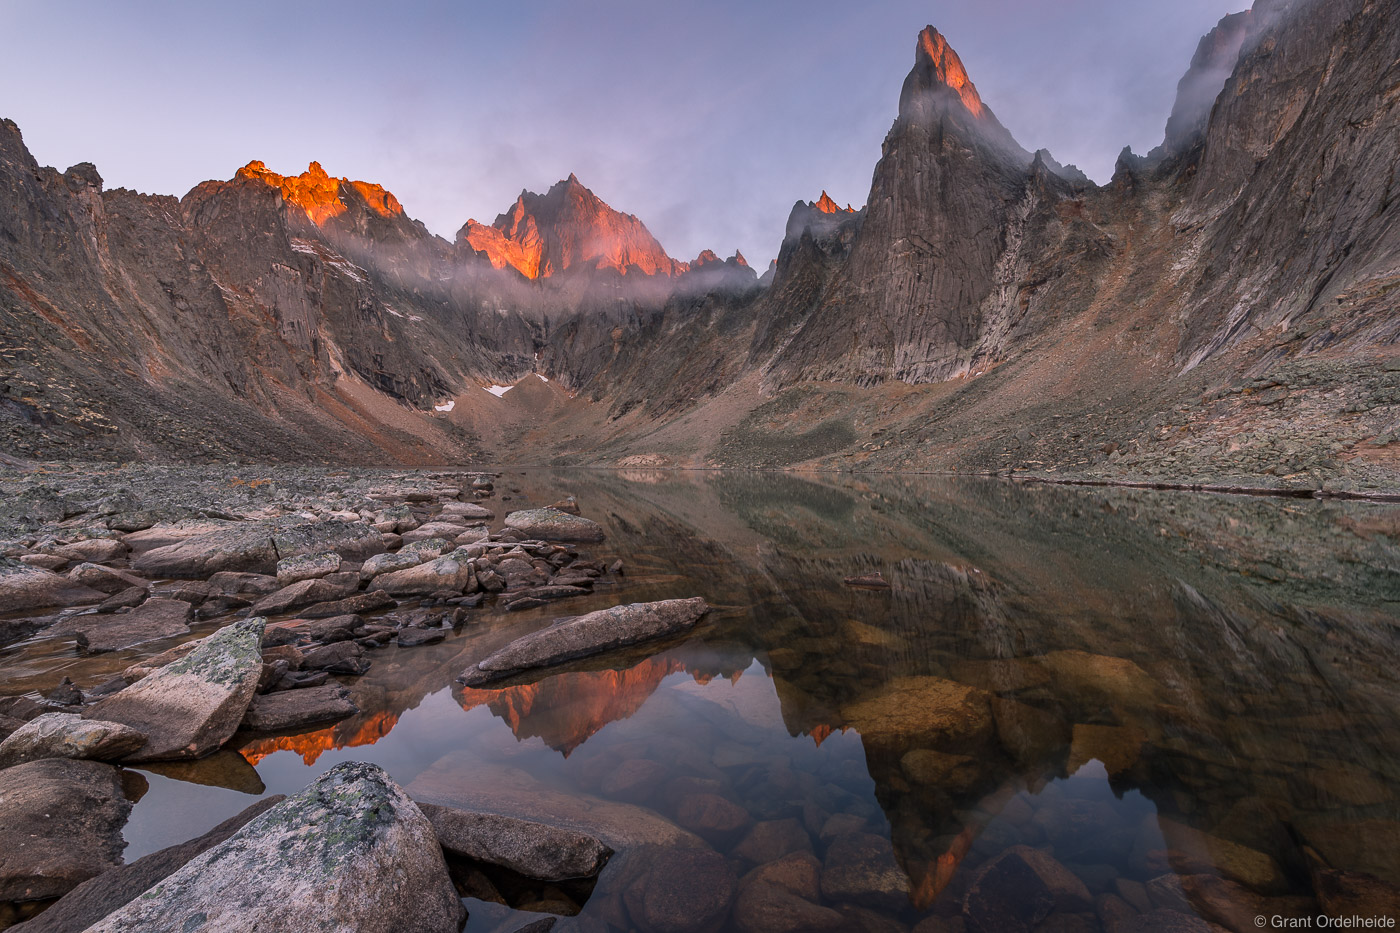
(292, 709)
(549, 524)
(68, 735)
(586, 635)
(533, 849)
(190, 707)
(62, 825)
(97, 897)
(154, 619)
(257, 547)
(350, 852)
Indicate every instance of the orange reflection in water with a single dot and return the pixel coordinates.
(566, 709)
(310, 745)
(924, 890)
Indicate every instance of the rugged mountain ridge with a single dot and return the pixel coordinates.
(567, 227)
(1224, 310)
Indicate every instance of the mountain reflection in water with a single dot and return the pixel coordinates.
(1143, 702)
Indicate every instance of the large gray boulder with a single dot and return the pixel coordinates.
(190, 707)
(257, 547)
(349, 853)
(97, 897)
(68, 735)
(551, 524)
(62, 824)
(594, 633)
(529, 848)
(24, 587)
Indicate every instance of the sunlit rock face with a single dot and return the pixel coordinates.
(568, 226)
(929, 247)
(320, 195)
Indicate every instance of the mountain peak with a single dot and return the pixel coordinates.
(318, 194)
(544, 234)
(827, 206)
(939, 94)
(934, 51)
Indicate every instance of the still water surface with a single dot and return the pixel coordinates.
(1183, 702)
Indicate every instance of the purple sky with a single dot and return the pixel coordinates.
(705, 120)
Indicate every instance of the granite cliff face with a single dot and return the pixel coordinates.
(1223, 310)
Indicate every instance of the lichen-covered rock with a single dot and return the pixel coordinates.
(448, 572)
(306, 567)
(257, 547)
(390, 562)
(594, 633)
(467, 510)
(190, 707)
(549, 524)
(530, 848)
(24, 587)
(350, 852)
(62, 825)
(445, 530)
(68, 735)
(97, 550)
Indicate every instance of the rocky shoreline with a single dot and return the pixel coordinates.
(304, 578)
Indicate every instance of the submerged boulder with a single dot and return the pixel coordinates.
(594, 633)
(526, 847)
(551, 524)
(68, 735)
(350, 852)
(190, 707)
(258, 547)
(62, 825)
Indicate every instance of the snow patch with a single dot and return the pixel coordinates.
(446, 406)
(347, 268)
(498, 391)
